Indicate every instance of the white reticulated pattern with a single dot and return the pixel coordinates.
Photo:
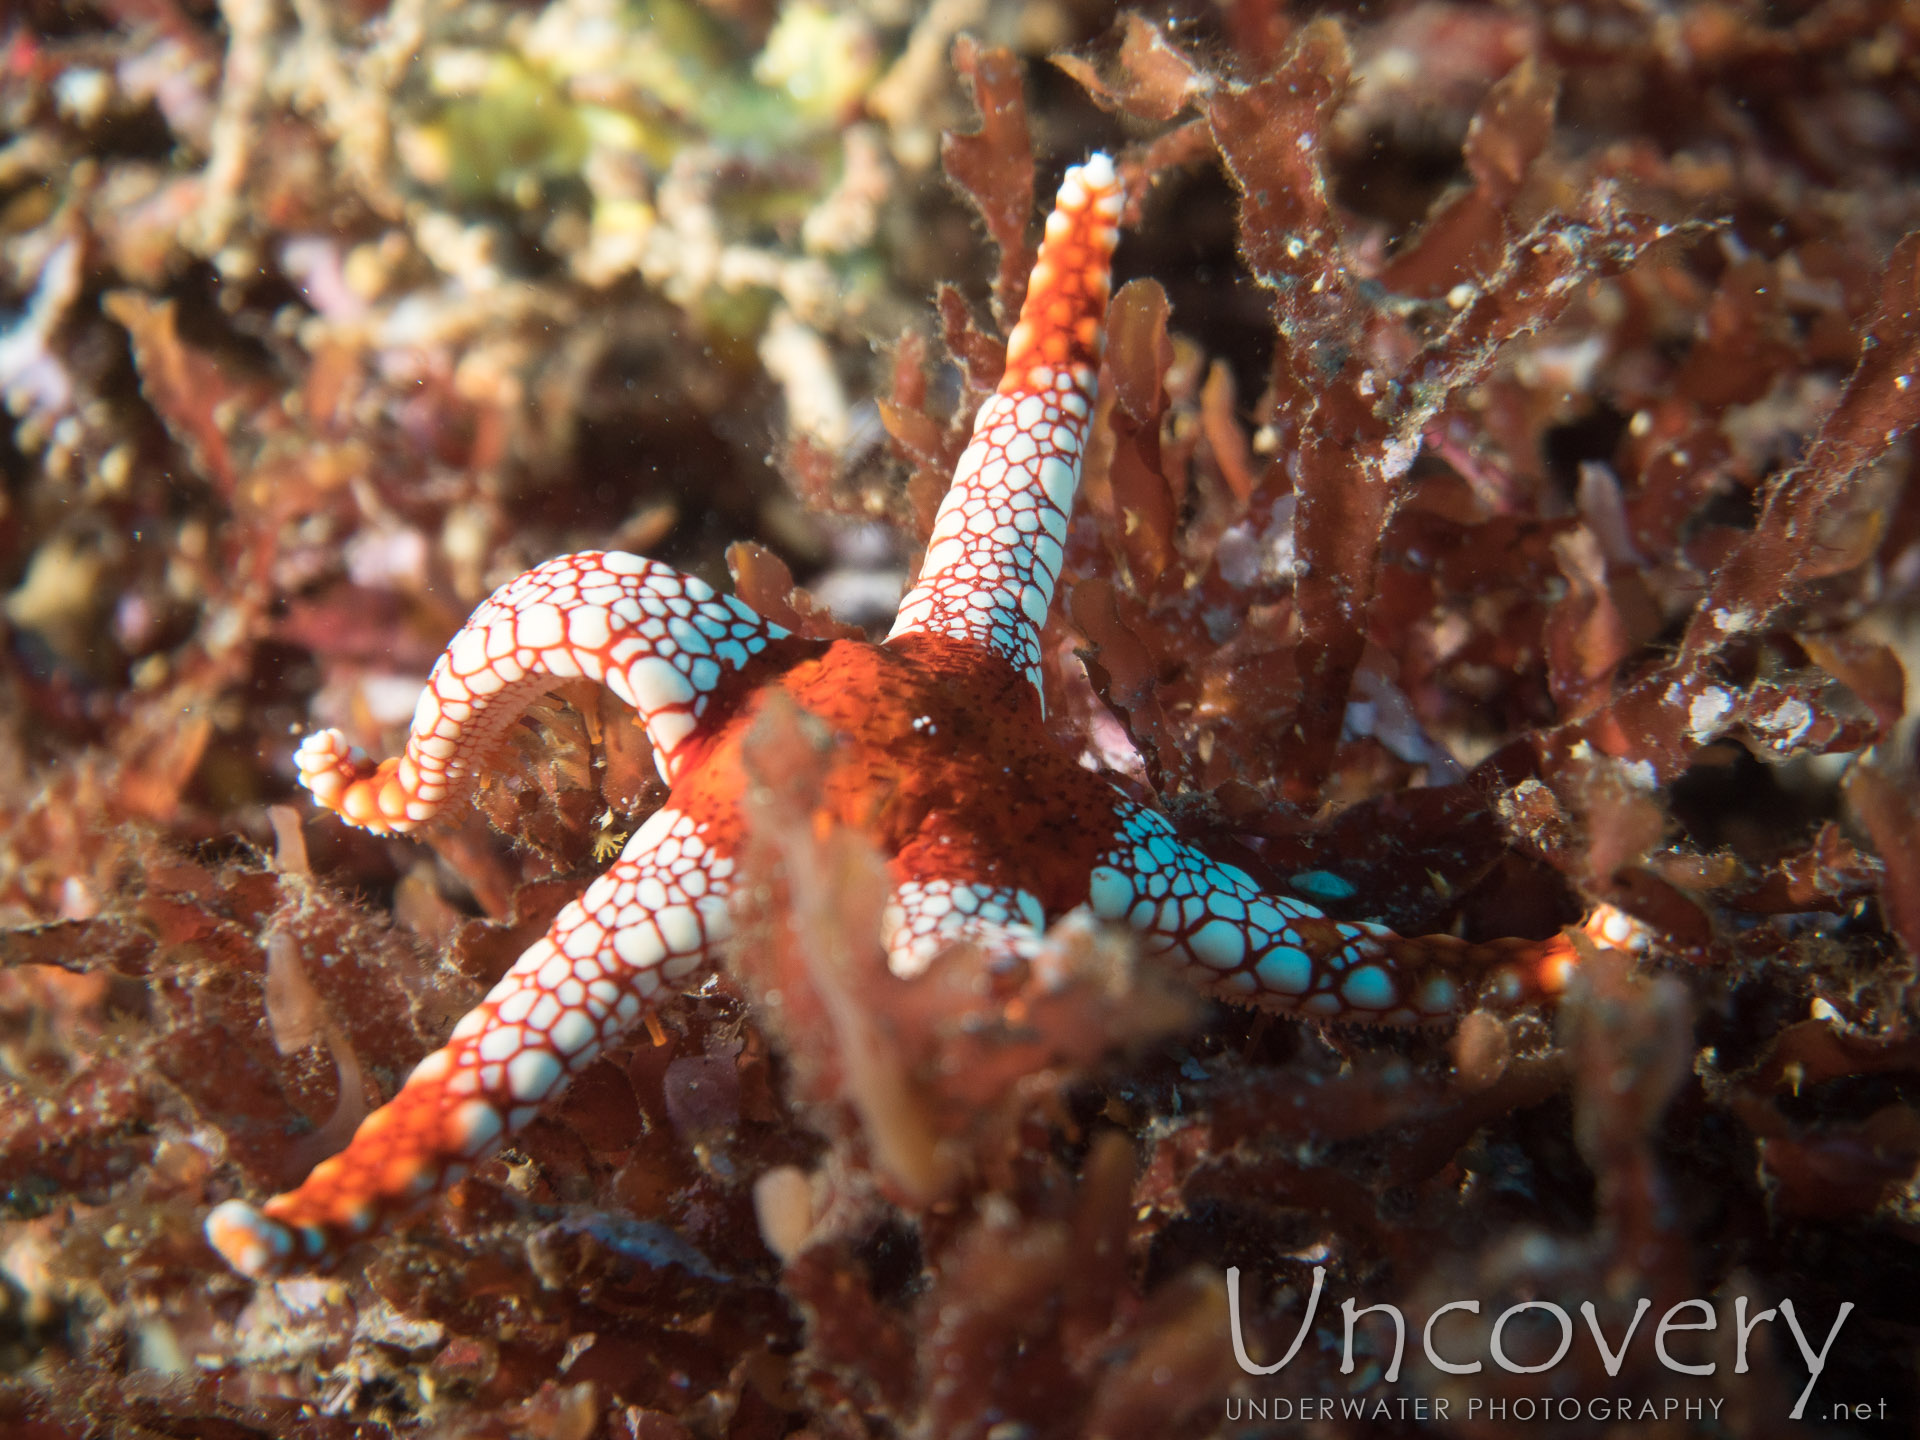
(1000, 534)
(927, 916)
(998, 540)
(662, 641)
(645, 925)
(659, 639)
(1213, 915)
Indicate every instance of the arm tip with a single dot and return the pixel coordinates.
(256, 1246)
(341, 778)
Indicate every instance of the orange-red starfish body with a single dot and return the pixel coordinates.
(991, 828)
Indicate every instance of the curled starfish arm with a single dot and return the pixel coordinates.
(1283, 953)
(648, 925)
(928, 916)
(662, 641)
(1000, 533)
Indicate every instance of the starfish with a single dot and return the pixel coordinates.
(991, 828)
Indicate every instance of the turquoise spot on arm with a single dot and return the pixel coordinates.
(1322, 885)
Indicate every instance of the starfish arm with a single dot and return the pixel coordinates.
(662, 641)
(1000, 533)
(927, 916)
(647, 925)
(1282, 953)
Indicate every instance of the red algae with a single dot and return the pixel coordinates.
(1502, 502)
